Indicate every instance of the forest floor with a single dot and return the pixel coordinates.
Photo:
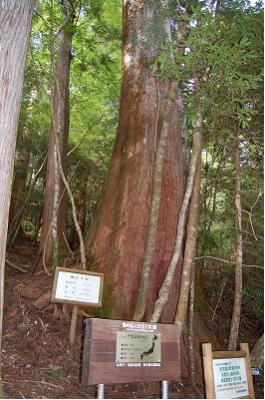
(39, 362)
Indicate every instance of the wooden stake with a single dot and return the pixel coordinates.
(208, 370)
(244, 347)
(73, 324)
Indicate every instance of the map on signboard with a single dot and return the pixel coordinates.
(77, 287)
(135, 349)
(230, 378)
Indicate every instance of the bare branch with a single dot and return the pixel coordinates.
(228, 261)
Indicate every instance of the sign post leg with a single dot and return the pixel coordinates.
(100, 391)
(73, 324)
(164, 389)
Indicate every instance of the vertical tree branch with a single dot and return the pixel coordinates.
(164, 290)
(234, 328)
(190, 326)
(191, 237)
(77, 226)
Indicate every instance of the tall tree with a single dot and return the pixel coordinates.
(54, 218)
(234, 328)
(15, 22)
(115, 241)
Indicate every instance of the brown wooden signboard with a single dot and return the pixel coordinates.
(127, 351)
(227, 373)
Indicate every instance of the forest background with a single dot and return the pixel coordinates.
(187, 103)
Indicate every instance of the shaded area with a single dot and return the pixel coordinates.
(38, 361)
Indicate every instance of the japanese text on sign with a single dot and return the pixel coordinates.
(77, 287)
(138, 349)
(230, 378)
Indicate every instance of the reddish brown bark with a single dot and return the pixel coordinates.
(115, 242)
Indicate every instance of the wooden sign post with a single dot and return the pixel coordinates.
(128, 351)
(77, 287)
(227, 374)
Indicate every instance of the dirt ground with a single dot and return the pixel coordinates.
(39, 362)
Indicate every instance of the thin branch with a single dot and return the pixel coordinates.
(16, 266)
(228, 262)
(43, 19)
(251, 224)
(66, 184)
(18, 217)
(84, 136)
(30, 381)
(48, 233)
(219, 298)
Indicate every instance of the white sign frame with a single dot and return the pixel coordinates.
(75, 286)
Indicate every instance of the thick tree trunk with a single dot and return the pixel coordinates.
(15, 23)
(115, 242)
(234, 328)
(59, 126)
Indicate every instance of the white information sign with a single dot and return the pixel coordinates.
(77, 287)
(230, 378)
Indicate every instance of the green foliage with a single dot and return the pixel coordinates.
(253, 299)
(224, 53)
(94, 96)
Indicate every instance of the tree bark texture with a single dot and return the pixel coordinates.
(15, 24)
(150, 240)
(164, 290)
(191, 232)
(80, 201)
(234, 327)
(115, 241)
(19, 184)
(59, 126)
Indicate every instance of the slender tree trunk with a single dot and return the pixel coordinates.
(80, 200)
(19, 184)
(192, 368)
(13, 229)
(21, 167)
(115, 241)
(234, 328)
(15, 23)
(54, 186)
(191, 234)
